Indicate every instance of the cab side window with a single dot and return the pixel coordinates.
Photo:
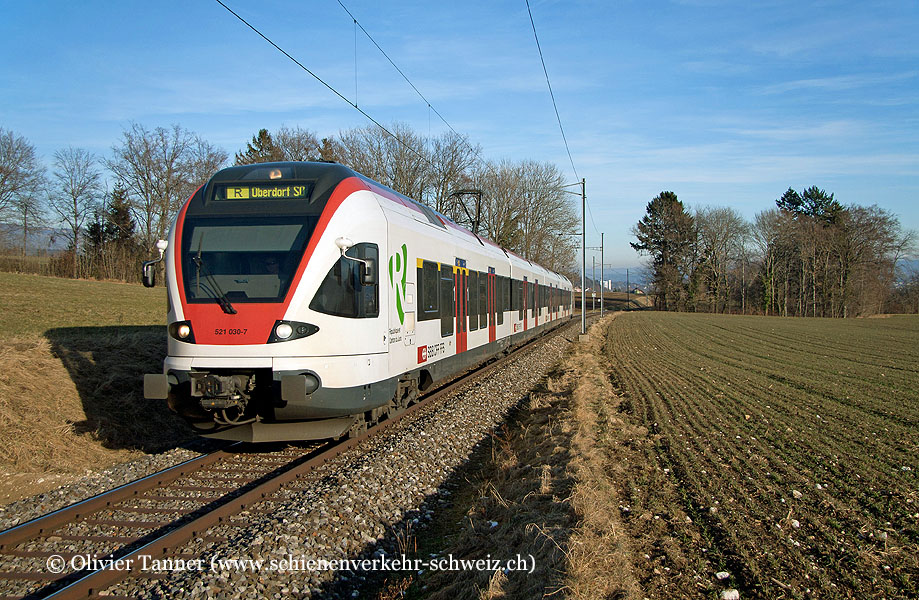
(342, 292)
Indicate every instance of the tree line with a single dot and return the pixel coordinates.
(111, 209)
(808, 256)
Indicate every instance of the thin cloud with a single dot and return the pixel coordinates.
(837, 83)
(801, 132)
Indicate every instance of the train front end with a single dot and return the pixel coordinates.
(251, 336)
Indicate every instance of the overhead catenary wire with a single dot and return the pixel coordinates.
(431, 108)
(557, 116)
(395, 66)
(354, 104)
(320, 80)
(551, 94)
(355, 62)
(427, 102)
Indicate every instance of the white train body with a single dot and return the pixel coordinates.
(375, 298)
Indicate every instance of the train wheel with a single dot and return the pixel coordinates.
(358, 428)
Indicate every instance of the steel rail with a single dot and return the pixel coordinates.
(53, 520)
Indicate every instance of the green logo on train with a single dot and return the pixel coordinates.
(398, 270)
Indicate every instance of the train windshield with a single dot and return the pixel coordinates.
(242, 259)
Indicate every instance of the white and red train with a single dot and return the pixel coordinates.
(306, 301)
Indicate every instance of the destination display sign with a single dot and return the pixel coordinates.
(265, 191)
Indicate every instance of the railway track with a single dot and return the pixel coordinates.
(81, 550)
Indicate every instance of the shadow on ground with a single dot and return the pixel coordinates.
(107, 365)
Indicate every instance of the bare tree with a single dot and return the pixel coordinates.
(820, 258)
(29, 211)
(870, 247)
(452, 159)
(21, 173)
(77, 186)
(522, 206)
(548, 216)
(407, 166)
(363, 150)
(399, 160)
(203, 160)
(766, 233)
(159, 170)
(721, 231)
(525, 210)
(297, 144)
(502, 204)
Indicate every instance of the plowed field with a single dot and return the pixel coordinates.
(782, 452)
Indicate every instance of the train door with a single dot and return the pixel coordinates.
(491, 304)
(460, 273)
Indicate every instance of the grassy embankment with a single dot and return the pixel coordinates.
(72, 358)
(671, 448)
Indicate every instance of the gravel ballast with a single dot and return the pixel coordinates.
(95, 483)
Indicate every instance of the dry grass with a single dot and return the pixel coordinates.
(72, 358)
(600, 556)
(514, 499)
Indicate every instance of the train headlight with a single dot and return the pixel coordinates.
(182, 331)
(285, 331)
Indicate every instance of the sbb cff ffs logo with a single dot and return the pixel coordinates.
(428, 352)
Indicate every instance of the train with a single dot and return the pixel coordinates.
(307, 301)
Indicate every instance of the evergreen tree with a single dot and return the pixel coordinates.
(261, 149)
(667, 234)
(119, 219)
(813, 202)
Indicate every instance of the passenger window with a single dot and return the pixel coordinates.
(500, 297)
(518, 299)
(430, 297)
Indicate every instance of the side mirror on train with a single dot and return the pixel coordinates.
(368, 271)
(368, 265)
(148, 275)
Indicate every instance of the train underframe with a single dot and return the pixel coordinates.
(261, 405)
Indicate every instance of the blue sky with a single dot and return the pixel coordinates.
(724, 103)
